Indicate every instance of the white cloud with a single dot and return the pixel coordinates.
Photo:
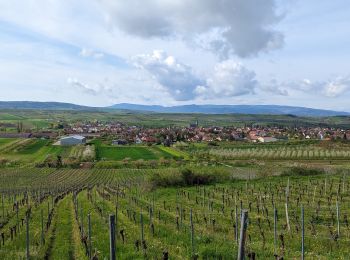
(331, 88)
(242, 27)
(177, 79)
(228, 79)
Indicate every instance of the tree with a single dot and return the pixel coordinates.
(59, 161)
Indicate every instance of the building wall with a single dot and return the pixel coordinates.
(72, 141)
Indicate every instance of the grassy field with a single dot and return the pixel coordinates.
(154, 220)
(5, 141)
(33, 147)
(174, 152)
(28, 152)
(44, 118)
(117, 153)
(134, 153)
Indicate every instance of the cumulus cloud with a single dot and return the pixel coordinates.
(241, 27)
(330, 88)
(178, 79)
(228, 79)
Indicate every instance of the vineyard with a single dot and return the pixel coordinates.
(65, 214)
(277, 153)
(83, 153)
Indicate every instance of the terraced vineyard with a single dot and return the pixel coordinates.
(68, 213)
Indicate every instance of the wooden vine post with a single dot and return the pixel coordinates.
(82, 221)
(236, 227)
(192, 234)
(287, 216)
(27, 237)
(338, 224)
(242, 237)
(275, 228)
(142, 231)
(89, 230)
(112, 237)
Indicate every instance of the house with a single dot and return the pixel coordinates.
(72, 140)
(119, 142)
(266, 139)
(252, 136)
(138, 140)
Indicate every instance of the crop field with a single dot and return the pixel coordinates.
(32, 152)
(5, 141)
(29, 152)
(14, 145)
(276, 153)
(174, 152)
(33, 146)
(68, 214)
(110, 153)
(43, 118)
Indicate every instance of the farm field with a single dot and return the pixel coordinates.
(175, 152)
(5, 141)
(28, 152)
(44, 118)
(274, 152)
(181, 220)
(117, 153)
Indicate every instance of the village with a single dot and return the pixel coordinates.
(122, 134)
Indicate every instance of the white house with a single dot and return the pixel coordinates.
(266, 139)
(72, 140)
(138, 140)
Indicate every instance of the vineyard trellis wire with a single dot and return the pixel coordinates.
(70, 196)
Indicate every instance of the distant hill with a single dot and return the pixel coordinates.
(41, 105)
(233, 109)
(202, 109)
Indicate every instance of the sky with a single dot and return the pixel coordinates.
(166, 52)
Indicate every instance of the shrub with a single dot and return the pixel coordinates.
(299, 171)
(187, 177)
(166, 180)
